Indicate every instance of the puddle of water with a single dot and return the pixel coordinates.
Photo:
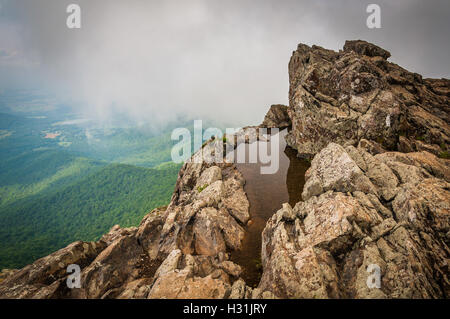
(266, 193)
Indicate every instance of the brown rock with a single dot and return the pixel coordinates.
(277, 116)
(338, 233)
(355, 95)
(50, 271)
(366, 48)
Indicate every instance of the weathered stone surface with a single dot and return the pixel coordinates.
(6, 273)
(209, 176)
(117, 232)
(212, 194)
(277, 116)
(178, 285)
(366, 48)
(334, 169)
(192, 277)
(235, 200)
(238, 290)
(49, 271)
(231, 268)
(214, 231)
(122, 261)
(137, 289)
(338, 232)
(355, 94)
(149, 231)
(363, 203)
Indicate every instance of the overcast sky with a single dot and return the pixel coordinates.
(223, 59)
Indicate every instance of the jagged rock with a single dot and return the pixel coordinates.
(355, 94)
(209, 176)
(5, 273)
(334, 169)
(424, 205)
(200, 277)
(137, 289)
(179, 285)
(149, 232)
(204, 221)
(170, 263)
(122, 261)
(238, 290)
(212, 194)
(366, 48)
(214, 231)
(43, 278)
(338, 232)
(259, 294)
(116, 232)
(381, 176)
(231, 268)
(371, 147)
(235, 200)
(277, 116)
(412, 167)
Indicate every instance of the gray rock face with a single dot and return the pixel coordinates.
(366, 48)
(277, 116)
(344, 97)
(343, 226)
(334, 169)
(45, 278)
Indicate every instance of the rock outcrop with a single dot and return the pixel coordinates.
(277, 117)
(377, 196)
(391, 210)
(44, 277)
(356, 94)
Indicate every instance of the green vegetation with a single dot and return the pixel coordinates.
(64, 178)
(120, 145)
(444, 154)
(420, 137)
(201, 188)
(54, 191)
(38, 172)
(116, 194)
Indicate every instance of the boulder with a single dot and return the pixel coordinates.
(342, 230)
(366, 48)
(45, 278)
(277, 117)
(354, 95)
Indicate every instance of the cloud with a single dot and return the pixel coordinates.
(5, 54)
(154, 60)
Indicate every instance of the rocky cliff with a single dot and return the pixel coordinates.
(357, 94)
(377, 193)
